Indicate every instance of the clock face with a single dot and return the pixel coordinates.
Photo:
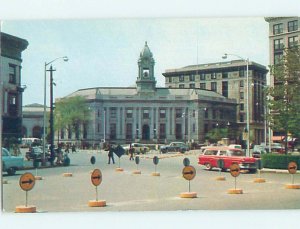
(146, 73)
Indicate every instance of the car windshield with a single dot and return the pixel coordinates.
(4, 152)
(236, 153)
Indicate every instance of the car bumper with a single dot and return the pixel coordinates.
(247, 166)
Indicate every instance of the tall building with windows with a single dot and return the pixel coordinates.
(149, 114)
(11, 88)
(284, 32)
(229, 80)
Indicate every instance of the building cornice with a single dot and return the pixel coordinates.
(272, 19)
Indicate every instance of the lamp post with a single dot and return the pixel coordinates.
(247, 97)
(93, 109)
(44, 116)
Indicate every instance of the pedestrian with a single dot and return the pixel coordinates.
(67, 149)
(131, 152)
(111, 154)
(73, 148)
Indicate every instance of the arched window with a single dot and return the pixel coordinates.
(37, 132)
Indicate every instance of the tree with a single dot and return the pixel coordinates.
(70, 113)
(284, 107)
(217, 134)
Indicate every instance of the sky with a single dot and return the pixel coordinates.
(104, 52)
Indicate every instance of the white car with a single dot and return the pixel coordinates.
(138, 148)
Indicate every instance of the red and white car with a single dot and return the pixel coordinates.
(230, 156)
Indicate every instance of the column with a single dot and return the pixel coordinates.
(140, 122)
(118, 123)
(157, 122)
(151, 126)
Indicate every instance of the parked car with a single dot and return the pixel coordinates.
(235, 146)
(258, 150)
(230, 156)
(11, 164)
(138, 148)
(174, 147)
(36, 153)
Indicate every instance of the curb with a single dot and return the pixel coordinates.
(277, 171)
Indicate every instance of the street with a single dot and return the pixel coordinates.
(124, 191)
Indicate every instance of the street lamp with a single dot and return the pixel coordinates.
(51, 105)
(247, 97)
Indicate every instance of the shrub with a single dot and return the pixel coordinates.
(279, 161)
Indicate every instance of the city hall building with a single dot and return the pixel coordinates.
(149, 114)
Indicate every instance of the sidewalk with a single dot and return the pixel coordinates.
(266, 170)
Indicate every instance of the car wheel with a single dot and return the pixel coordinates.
(11, 171)
(252, 171)
(163, 151)
(208, 166)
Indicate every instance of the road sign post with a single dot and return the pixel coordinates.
(155, 162)
(292, 168)
(259, 167)
(119, 151)
(26, 182)
(137, 161)
(235, 172)
(220, 163)
(36, 165)
(96, 179)
(188, 173)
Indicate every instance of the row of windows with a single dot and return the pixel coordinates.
(291, 26)
(179, 113)
(203, 76)
(279, 43)
(241, 73)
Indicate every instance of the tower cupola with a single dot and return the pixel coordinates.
(146, 81)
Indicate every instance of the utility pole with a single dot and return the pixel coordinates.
(51, 121)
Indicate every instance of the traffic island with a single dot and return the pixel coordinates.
(97, 203)
(67, 174)
(235, 191)
(25, 209)
(220, 178)
(259, 180)
(155, 174)
(188, 195)
(137, 172)
(292, 186)
(119, 169)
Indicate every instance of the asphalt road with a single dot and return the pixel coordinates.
(124, 191)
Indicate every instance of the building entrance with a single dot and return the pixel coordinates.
(146, 132)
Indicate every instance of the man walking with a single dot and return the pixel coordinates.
(111, 154)
(131, 152)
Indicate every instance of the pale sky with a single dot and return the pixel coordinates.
(104, 52)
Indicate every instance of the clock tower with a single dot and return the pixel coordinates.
(146, 81)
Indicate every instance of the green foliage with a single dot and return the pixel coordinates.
(216, 134)
(70, 112)
(285, 109)
(278, 161)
